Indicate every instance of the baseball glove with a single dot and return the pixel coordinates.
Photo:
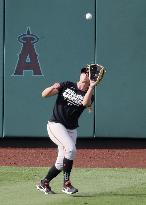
(96, 72)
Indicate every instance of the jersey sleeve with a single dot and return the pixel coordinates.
(64, 85)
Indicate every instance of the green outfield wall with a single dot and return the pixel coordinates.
(64, 41)
(1, 68)
(121, 47)
(50, 41)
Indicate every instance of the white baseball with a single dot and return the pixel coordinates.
(88, 16)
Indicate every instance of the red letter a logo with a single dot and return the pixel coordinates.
(28, 57)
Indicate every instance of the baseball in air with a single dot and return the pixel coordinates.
(88, 16)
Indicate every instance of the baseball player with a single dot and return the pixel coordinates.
(72, 99)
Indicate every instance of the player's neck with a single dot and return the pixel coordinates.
(82, 86)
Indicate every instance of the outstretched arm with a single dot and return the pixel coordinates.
(52, 90)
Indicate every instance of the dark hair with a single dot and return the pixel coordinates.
(84, 70)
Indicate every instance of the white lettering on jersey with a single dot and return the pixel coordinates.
(72, 98)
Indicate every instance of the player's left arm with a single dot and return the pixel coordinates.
(87, 100)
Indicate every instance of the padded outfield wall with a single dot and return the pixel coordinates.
(45, 42)
(1, 67)
(121, 47)
(49, 41)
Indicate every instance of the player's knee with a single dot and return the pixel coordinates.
(70, 152)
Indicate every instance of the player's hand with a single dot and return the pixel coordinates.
(93, 83)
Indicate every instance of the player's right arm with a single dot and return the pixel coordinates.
(52, 90)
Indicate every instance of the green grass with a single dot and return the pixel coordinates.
(96, 187)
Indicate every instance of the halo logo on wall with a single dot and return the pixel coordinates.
(28, 59)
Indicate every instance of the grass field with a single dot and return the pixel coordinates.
(96, 186)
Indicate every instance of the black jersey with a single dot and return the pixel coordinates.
(68, 106)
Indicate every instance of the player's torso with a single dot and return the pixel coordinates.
(70, 95)
(68, 105)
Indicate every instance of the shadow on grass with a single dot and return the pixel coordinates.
(110, 194)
